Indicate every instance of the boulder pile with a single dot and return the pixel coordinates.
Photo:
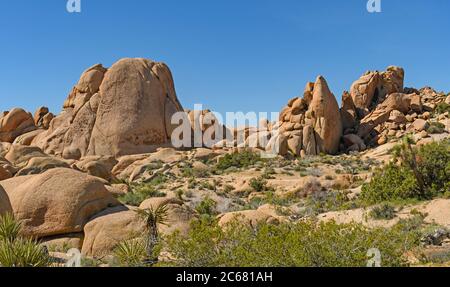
(312, 124)
(123, 110)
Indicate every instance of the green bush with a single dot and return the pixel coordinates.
(391, 183)
(18, 251)
(206, 207)
(258, 184)
(238, 160)
(140, 193)
(304, 244)
(442, 108)
(385, 211)
(325, 201)
(420, 173)
(436, 128)
(434, 165)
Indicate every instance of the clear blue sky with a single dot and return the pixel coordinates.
(232, 55)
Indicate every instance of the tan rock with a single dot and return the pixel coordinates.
(118, 189)
(88, 84)
(19, 155)
(295, 144)
(109, 228)
(348, 111)
(59, 201)
(135, 123)
(27, 138)
(99, 166)
(46, 120)
(373, 87)
(4, 173)
(63, 243)
(39, 115)
(15, 123)
(309, 141)
(419, 125)
(351, 139)
(4, 148)
(5, 204)
(277, 145)
(52, 140)
(326, 117)
(37, 165)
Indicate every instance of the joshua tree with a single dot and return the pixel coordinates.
(152, 218)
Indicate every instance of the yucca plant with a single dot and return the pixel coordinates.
(23, 252)
(131, 253)
(18, 251)
(152, 218)
(9, 228)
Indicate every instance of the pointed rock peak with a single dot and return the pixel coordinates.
(321, 88)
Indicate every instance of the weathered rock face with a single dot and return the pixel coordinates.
(109, 228)
(326, 117)
(394, 102)
(312, 124)
(121, 111)
(5, 204)
(137, 97)
(59, 201)
(373, 87)
(15, 123)
(86, 87)
(349, 114)
(43, 117)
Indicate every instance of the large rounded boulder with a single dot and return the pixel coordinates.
(15, 123)
(123, 110)
(137, 101)
(59, 201)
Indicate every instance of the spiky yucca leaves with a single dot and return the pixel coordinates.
(131, 253)
(152, 218)
(23, 252)
(9, 228)
(17, 251)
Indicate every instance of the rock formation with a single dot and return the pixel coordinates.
(120, 111)
(15, 123)
(312, 124)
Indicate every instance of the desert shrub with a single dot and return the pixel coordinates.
(420, 173)
(258, 184)
(384, 211)
(140, 193)
(206, 185)
(391, 183)
(303, 244)
(325, 201)
(238, 160)
(190, 172)
(206, 207)
(434, 165)
(19, 251)
(442, 108)
(436, 128)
